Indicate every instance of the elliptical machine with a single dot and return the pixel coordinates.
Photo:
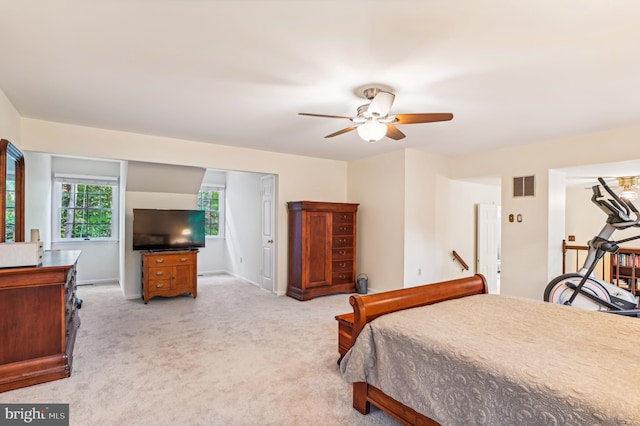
(583, 289)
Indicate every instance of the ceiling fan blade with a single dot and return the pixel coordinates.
(422, 118)
(394, 133)
(339, 132)
(381, 104)
(323, 115)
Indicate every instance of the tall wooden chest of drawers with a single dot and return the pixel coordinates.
(38, 320)
(169, 273)
(322, 249)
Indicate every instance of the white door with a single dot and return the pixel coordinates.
(488, 245)
(268, 258)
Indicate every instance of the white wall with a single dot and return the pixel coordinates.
(555, 223)
(411, 218)
(377, 183)
(423, 257)
(456, 216)
(526, 268)
(440, 216)
(299, 178)
(243, 234)
(583, 218)
(38, 190)
(9, 122)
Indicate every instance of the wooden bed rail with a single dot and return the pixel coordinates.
(367, 308)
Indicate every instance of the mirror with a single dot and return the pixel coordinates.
(11, 193)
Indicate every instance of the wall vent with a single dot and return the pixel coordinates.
(524, 186)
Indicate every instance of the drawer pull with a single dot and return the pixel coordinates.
(343, 228)
(159, 260)
(183, 259)
(160, 285)
(342, 252)
(343, 241)
(159, 272)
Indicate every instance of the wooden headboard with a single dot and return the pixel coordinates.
(369, 307)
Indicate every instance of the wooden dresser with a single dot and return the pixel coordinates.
(38, 321)
(322, 249)
(169, 273)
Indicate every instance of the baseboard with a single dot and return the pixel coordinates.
(214, 272)
(100, 281)
(243, 279)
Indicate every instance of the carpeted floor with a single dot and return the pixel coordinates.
(234, 356)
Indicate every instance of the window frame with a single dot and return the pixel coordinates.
(9, 152)
(221, 208)
(60, 179)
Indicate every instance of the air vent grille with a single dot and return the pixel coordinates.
(524, 186)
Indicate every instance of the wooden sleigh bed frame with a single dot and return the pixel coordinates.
(477, 358)
(369, 307)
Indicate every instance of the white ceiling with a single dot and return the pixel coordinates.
(238, 72)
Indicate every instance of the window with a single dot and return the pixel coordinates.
(211, 200)
(86, 208)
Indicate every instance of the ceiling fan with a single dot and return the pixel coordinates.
(627, 184)
(373, 121)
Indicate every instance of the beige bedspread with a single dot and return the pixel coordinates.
(496, 360)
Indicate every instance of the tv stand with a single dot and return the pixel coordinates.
(169, 273)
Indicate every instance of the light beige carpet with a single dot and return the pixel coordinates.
(236, 355)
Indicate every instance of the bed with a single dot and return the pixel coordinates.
(449, 353)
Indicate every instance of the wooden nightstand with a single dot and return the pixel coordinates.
(345, 331)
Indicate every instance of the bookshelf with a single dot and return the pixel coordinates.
(625, 269)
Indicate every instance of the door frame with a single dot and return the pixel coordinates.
(273, 225)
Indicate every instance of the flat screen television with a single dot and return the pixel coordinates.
(158, 229)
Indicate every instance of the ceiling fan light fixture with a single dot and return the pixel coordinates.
(372, 131)
(629, 195)
(627, 184)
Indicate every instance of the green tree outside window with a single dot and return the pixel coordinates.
(210, 201)
(86, 211)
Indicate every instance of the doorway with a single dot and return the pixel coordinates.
(488, 244)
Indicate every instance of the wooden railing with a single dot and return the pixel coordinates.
(456, 257)
(580, 253)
